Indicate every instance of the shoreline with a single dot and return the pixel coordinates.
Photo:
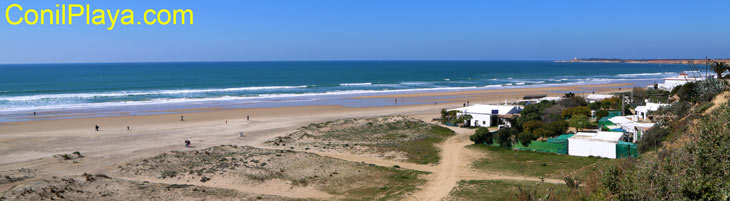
(29, 140)
(417, 96)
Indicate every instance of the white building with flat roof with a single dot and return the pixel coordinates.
(486, 115)
(643, 111)
(599, 144)
(629, 124)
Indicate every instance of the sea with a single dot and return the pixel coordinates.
(108, 89)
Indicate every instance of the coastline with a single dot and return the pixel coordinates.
(30, 140)
(361, 99)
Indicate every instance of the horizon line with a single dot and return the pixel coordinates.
(233, 61)
(337, 60)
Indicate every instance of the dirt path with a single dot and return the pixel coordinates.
(446, 176)
(454, 166)
(447, 172)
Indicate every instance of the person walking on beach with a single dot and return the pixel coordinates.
(187, 143)
(128, 129)
(97, 127)
(182, 118)
(33, 113)
(247, 118)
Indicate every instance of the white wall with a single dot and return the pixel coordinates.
(481, 120)
(584, 147)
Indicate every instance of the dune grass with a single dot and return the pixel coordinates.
(503, 190)
(399, 183)
(422, 150)
(535, 164)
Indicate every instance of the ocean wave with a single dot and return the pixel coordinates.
(356, 84)
(222, 98)
(645, 74)
(72, 101)
(415, 83)
(141, 93)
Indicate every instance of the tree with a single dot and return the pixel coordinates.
(580, 110)
(505, 137)
(482, 136)
(579, 122)
(533, 111)
(639, 94)
(553, 113)
(574, 101)
(544, 131)
(687, 92)
(558, 128)
(652, 138)
(525, 138)
(531, 126)
(719, 67)
(601, 113)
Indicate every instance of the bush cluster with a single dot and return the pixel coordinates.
(697, 171)
(652, 139)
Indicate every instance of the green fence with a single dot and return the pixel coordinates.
(626, 150)
(558, 145)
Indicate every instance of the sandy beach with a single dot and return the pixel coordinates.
(32, 144)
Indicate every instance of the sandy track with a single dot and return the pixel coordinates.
(454, 166)
(447, 172)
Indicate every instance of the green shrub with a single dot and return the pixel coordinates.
(505, 136)
(579, 122)
(534, 111)
(652, 139)
(525, 138)
(532, 125)
(658, 96)
(601, 113)
(687, 92)
(558, 128)
(574, 101)
(482, 136)
(697, 171)
(680, 109)
(580, 110)
(709, 88)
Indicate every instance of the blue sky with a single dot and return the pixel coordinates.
(240, 30)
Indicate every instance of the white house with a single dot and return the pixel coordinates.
(671, 82)
(597, 97)
(599, 144)
(631, 126)
(642, 111)
(486, 115)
